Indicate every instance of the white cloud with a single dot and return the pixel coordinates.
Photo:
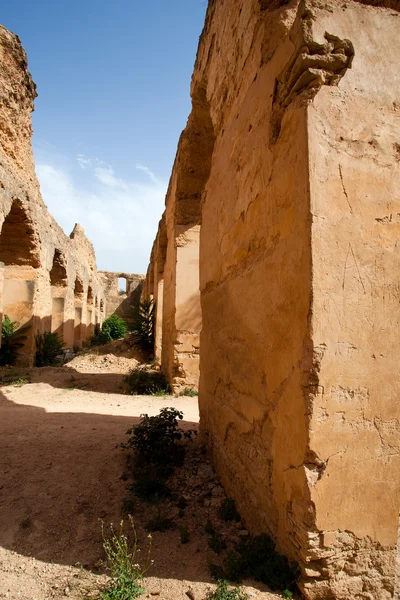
(120, 217)
(148, 172)
(83, 162)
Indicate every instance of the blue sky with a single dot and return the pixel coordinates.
(113, 80)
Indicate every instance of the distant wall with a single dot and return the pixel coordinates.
(121, 303)
(48, 280)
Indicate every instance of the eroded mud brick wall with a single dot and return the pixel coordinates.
(296, 126)
(50, 280)
(120, 300)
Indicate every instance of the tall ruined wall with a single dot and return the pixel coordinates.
(120, 301)
(299, 202)
(50, 280)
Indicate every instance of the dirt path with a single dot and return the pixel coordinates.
(61, 473)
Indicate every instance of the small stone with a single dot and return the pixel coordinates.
(190, 594)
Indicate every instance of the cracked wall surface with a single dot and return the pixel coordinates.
(50, 280)
(298, 264)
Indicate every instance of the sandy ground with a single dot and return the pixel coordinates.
(60, 473)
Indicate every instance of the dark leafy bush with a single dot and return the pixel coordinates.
(49, 347)
(156, 440)
(12, 340)
(142, 381)
(115, 327)
(158, 449)
(143, 327)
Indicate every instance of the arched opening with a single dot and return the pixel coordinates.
(78, 298)
(18, 242)
(89, 313)
(58, 282)
(20, 258)
(122, 285)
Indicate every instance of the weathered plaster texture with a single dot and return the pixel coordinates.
(296, 105)
(48, 277)
(121, 303)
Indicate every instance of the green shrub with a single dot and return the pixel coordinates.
(12, 339)
(155, 440)
(224, 593)
(126, 574)
(114, 327)
(142, 381)
(48, 348)
(143, 328)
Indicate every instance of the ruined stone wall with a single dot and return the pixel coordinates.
(121, 303)
(50, 280)
(173, 275)
(298, 266)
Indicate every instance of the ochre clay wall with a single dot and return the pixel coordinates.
(297, 114)
(50, 280)
(116, 302)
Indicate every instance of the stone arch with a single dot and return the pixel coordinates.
(58, 281)
(58, 273)
(19, 243)
(78, 298)
(78, 288)
(20, 259)
(90, 310)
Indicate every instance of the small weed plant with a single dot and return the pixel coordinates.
(223, 592)
(126, 574)
(49, 348)
(188, 392)
(147, 382)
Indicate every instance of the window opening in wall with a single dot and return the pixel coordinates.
(122, 285)
(101, 305)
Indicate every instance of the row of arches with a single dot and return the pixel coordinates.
(40, 286)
